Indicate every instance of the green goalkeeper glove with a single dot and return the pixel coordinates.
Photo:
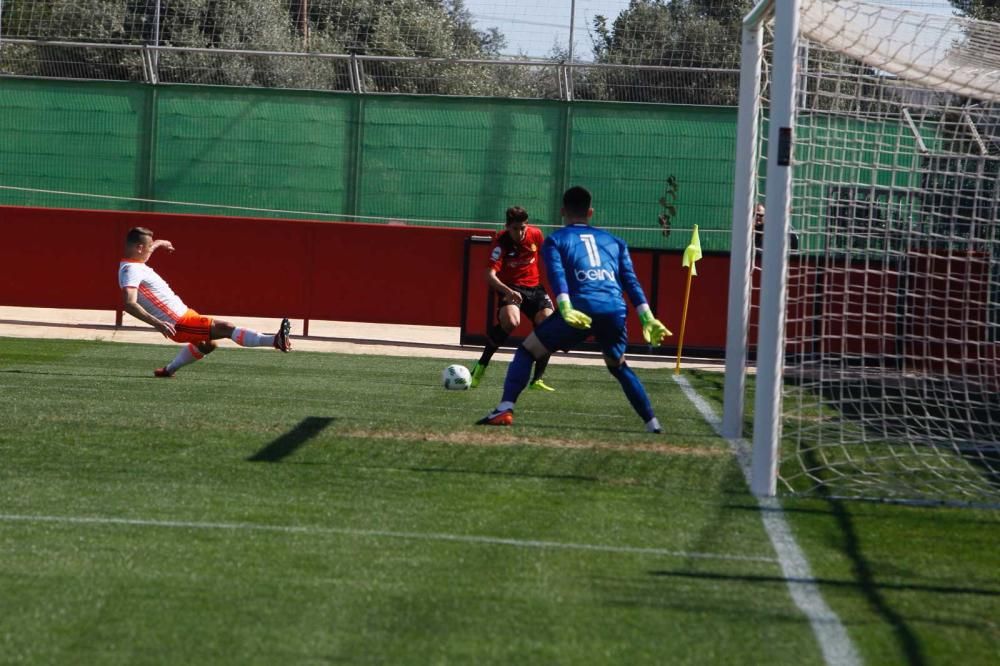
(574, 318)
(652, 329)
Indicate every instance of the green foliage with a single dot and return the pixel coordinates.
(676, 33)
(983, 10)
(686, 33)
(411, 28)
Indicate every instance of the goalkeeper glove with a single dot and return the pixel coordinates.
(574, 318)
(653, 329)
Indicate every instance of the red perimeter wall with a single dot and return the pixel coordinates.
(68, 258)
(662, 277)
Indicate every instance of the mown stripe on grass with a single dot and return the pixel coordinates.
(833, 640)
(494, 437)
(349, 531)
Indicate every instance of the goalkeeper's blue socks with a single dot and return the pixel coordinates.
(518, 374)
(634, 391)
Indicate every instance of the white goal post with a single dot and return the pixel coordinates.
(869, 307)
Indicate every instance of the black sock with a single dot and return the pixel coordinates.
(497, 337)
(540, 366)
(484, 360)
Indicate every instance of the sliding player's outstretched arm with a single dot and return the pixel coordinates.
(161, 242)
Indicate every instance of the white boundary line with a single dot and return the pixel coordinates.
(424, 536)
(834, 642)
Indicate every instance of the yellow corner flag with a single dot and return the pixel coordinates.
(693, 252)
(691, 255)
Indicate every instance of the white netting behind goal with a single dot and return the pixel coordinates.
(892, 352)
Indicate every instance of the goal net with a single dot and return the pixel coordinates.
(869, 302)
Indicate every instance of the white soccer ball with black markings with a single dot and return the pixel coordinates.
(456, 378)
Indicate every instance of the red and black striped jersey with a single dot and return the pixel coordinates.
(516, 263)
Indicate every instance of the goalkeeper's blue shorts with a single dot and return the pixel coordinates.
(608, 330)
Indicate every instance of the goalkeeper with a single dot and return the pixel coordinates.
(588, 268)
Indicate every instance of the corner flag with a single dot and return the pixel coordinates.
(691, 255)
(693, 252)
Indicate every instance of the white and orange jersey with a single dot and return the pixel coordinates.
(155, 295)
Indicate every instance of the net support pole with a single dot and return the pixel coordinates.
(770, 347)
(743, 201)
(155, 63)
(572, 27)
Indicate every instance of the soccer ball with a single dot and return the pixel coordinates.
(456, 377)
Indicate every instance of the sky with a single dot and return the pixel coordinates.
(533, 27)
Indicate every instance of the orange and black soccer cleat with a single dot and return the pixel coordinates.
(498, 418)
(282, 339)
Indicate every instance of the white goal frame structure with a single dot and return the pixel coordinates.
(779, 177)
(796, 25)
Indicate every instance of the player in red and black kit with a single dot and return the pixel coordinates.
(513, 273)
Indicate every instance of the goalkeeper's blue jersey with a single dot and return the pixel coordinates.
(592, 267)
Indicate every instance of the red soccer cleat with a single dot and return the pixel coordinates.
(162, 372)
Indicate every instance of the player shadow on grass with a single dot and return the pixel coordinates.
(286, 445)
(82, 374)
(15, 371)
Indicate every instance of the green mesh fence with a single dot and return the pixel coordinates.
(632, 156)
(460, 159)
(76, 138)
(257, 149)
(859, 183)
(424, 160)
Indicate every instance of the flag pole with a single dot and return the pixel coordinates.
(691, 255)
(684, 318)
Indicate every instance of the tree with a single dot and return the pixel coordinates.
(983, 10)
(104, 21)
(683, 34)
(411, 28)
(414, 28)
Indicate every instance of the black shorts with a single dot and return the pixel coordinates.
(533, 301)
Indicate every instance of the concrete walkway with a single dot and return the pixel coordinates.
(324, 336)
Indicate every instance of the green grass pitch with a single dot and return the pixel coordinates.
(263, 508)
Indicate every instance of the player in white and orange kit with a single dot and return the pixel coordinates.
(149, 298)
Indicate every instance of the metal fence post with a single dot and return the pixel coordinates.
(155, 62)
(149, 72)
(351, 74)
(572, 28)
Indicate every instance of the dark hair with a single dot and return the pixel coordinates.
(137, 235)
(516, 214)
(576, 201)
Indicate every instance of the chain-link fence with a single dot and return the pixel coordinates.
(524, 78)
(663, 51)
(640, 51)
